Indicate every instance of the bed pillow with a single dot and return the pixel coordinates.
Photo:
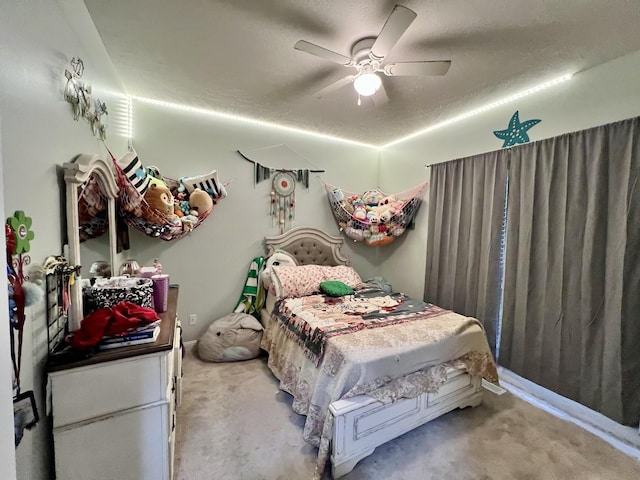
(305, 280)
(298, 281)
(343, 273)
(335, 288)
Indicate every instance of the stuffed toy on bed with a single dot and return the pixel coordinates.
(278, 257)
(231, 338)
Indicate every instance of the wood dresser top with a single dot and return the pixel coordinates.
(164, 341)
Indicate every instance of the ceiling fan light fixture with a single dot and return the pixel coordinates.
(366, 84)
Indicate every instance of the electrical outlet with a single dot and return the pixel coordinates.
(193, 319)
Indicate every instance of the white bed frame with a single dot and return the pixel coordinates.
(362, 423)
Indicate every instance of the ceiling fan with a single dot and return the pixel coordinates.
(367, 57)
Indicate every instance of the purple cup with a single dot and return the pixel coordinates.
(160, 292)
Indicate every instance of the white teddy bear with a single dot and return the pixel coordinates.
(278, 257)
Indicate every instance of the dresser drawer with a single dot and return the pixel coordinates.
(82, 393)
(177, 354)
(130, 445)
(170, 386)
(171, 427)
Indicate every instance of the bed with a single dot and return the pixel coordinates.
(368, 367)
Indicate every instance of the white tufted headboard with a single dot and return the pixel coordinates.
(309, 245)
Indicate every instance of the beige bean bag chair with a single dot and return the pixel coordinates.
(231, 338)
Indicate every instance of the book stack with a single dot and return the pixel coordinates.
(145, 334)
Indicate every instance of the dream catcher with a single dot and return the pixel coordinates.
(283, 190)
(283, 199)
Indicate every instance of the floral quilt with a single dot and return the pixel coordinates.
(323, 350)
(313, 319)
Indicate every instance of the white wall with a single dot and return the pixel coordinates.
(38, 38)
(7, 452)
(601, 95)
(211, 263)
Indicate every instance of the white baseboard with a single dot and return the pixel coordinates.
(626, 439)
(189, 344)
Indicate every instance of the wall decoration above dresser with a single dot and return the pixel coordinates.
(78, 93)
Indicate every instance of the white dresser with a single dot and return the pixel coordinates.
(114, 414)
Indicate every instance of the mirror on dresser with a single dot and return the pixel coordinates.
(77, 174)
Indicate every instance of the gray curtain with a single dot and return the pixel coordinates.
(466, 209)
(571, 319)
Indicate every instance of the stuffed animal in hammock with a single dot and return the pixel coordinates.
(159, 197)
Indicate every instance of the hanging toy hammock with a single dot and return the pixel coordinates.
(375, 218)
(170, 224)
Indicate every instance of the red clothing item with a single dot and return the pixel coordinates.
(110, 321)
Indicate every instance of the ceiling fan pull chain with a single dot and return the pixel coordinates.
(359, 102)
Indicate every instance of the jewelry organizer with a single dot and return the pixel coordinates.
(57, 298)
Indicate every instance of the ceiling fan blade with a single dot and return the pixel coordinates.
(321, 52)
(380, 98)
(417, 68)
(335, 86)
(397, 23)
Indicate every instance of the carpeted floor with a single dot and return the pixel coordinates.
(234, 424)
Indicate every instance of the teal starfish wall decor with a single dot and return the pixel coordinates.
(516, 132)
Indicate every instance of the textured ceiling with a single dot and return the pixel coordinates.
(237, 56)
